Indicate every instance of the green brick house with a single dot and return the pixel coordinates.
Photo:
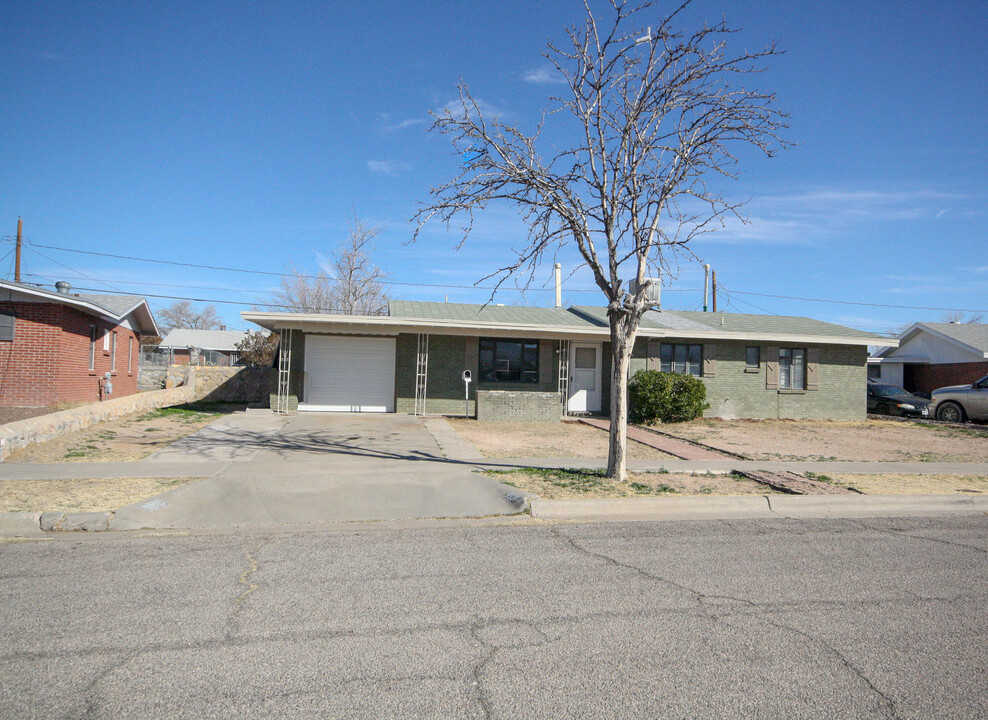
(530, 363)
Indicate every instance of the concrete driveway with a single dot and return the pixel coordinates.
(315, 467)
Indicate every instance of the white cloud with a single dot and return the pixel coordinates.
(456, 108)
(544, 75)
(391, 168)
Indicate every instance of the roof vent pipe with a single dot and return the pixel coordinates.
(63, 287)
(559, 285)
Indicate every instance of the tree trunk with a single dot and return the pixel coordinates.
(617, 454)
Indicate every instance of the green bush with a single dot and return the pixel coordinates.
(667, 397)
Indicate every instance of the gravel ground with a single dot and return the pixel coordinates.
(561, 484)
(870, 440)
(544, 440)
(131, 437)
(13, 414)
(81, 495)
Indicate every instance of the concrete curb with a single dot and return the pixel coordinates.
(20, 524)
(757, 506)
(56, 520)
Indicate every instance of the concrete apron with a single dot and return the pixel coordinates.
(317, 468)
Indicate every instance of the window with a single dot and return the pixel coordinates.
(92, 347)
(113, 353)
(874, 371)
(106, 341)
(683, 359)
(792, 368)
(130, 354)
(509, 360)
(752, 358)
(7, 319)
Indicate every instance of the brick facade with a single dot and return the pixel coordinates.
(48, 361)
(927, 378)
(518, 406)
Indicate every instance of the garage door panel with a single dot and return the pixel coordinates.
(349, 374)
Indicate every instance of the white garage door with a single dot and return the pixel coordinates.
(349, 374)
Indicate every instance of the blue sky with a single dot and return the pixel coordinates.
(245, 134)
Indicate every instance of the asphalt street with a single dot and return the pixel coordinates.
(510, 618)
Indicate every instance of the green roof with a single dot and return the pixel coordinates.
(505, 314)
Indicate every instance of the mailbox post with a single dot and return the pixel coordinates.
(466, 387)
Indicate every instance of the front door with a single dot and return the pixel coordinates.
(584, 378)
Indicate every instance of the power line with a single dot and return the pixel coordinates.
(865, 304)
(80, 274)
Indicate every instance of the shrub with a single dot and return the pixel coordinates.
(667, 397)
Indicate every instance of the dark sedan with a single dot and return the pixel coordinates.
(892, 400)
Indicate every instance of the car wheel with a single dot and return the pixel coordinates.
(950, 412)
(881, 409)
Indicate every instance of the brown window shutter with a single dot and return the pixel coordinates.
(772, 368)
(812, 368)
(709, 360)
(547, 356)
(652, 363)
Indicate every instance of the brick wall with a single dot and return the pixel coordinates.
(518, 406)
(927, 378)
(48, 361)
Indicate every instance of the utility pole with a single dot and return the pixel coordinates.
(715, 289)
(706, 286)
(17, 253)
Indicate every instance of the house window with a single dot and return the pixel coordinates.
(106, 341)
(874, 371)
(130, 354)
(792, 368)
(752, 358)
(113, 353)
(7, 319)
(683, 359)
(509, 360)
(92, 347)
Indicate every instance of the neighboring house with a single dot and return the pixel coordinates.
(57, 346)
(531, 363)
(933, 355)
(211, 347)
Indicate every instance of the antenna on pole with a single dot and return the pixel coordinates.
(17, 254)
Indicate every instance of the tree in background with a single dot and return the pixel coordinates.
(655, 115)
(257, 349)
(183, 314)
(959, 317)
(352, 284)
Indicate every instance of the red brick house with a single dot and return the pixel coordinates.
(933, 355)
(57, 346)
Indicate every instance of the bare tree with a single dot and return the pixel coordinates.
(358, 289)
(656, 119)
(352, 284)
(257, 349)
(304, 293)
(183, 314)
(959, 317)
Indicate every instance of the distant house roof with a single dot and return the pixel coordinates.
(114, 307)
(970, 336)
(579, 321)
(225, 340)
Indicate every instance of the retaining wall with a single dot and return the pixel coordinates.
(249, 385)
(514, 406)
(45, 427)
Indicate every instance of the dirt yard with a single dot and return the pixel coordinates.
(560, 484)
(131, 437)
(81, 495)
(875, 440)
(893, 484)
(544, 440)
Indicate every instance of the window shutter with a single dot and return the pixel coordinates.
(812, 368)
(709, 360)
(7, 325)
(546, 353)
(652, 363)
(772, 368)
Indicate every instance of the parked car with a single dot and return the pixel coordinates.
(958, 403)
(892, 400)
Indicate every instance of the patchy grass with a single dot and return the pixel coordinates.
(906, 484)
(554, 484)
(94, 495)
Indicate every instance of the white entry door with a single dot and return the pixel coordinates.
(349, 374)
(584, 377)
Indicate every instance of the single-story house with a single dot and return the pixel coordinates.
(532, 363)
(57, 346)
(933, 355)
(210, 347)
